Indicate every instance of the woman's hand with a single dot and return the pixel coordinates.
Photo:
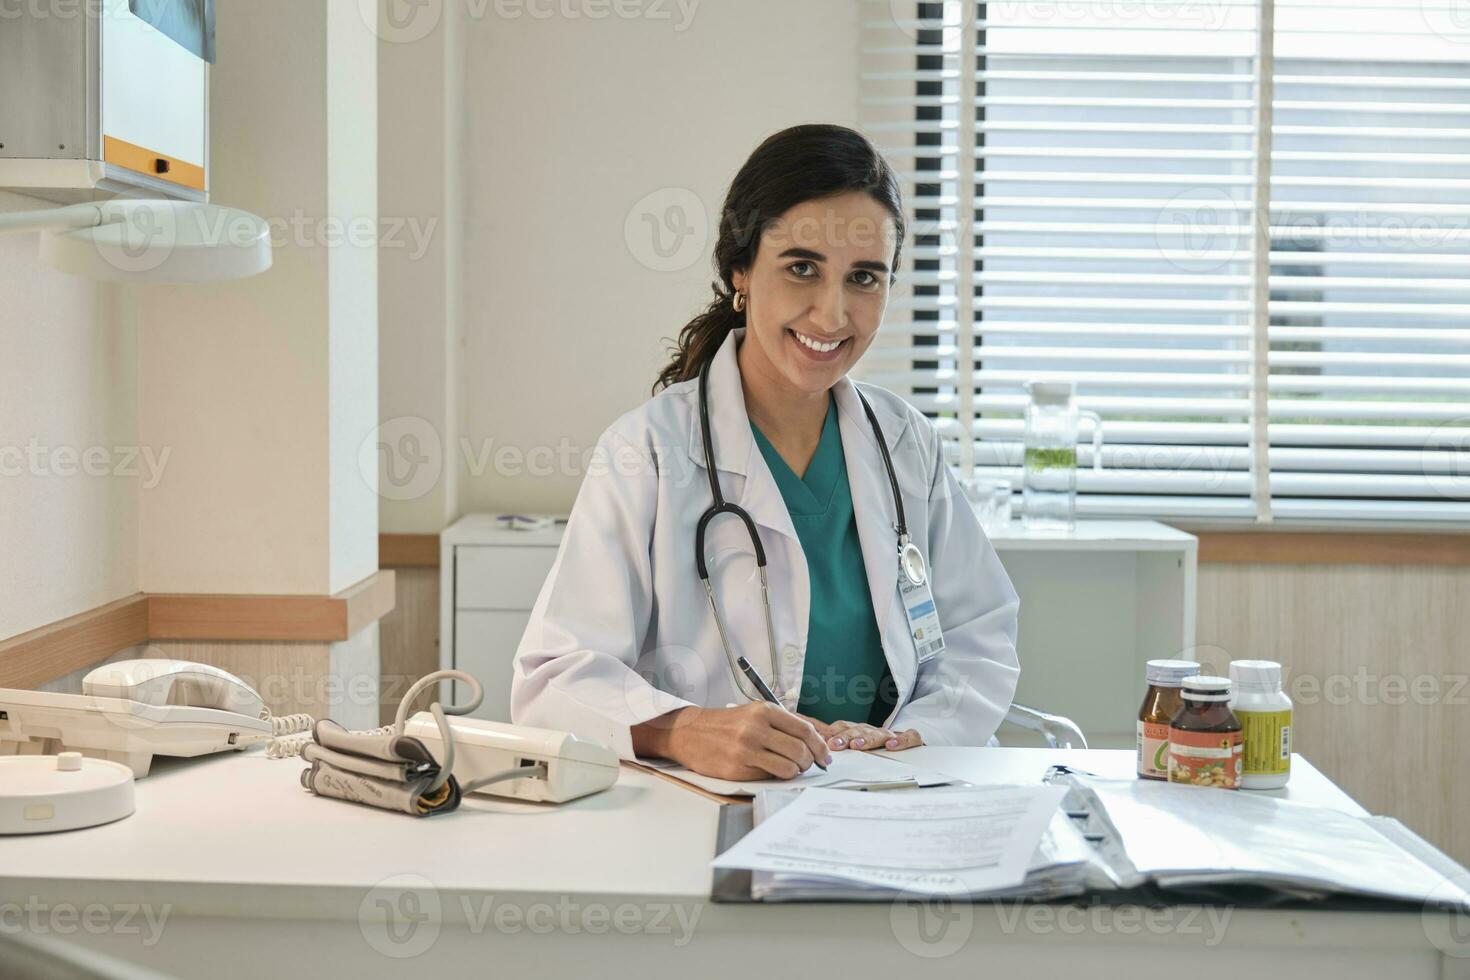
(752, 741)
(821, 726)
(865, 738)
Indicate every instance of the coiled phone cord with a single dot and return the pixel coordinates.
(296, 730)
(289, 724)
(291, 738)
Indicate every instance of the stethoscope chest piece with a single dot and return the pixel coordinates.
(911, 560)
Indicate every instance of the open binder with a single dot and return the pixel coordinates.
(1139, 841)
(1192, 839)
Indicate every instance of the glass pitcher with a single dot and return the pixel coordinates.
(1049, 475)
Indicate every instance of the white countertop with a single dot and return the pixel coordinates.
(1094, 535)
(1089, 535)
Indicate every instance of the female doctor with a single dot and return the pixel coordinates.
(843, 562)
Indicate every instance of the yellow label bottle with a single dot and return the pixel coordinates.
(1264, 711)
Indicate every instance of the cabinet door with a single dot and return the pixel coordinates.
(500, 576)
(484, 644)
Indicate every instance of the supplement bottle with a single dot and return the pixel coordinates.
(1160, 703)
(1264, 711)
(1204, 736)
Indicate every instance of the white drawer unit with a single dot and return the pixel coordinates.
(489, 580)
(1095, 604)
(500, 576)
(484, 643)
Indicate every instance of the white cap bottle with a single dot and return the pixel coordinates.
(1264, 711)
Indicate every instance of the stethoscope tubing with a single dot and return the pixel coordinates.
(720, 506)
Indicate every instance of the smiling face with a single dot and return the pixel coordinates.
(817, 290)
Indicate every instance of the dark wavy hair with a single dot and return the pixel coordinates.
(796, 165)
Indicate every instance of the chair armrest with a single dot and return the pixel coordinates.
(1059, 732)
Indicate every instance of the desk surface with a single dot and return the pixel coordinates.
(255, 876)
(229, 821)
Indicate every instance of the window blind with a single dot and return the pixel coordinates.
(1370, 261)
(1082, 182)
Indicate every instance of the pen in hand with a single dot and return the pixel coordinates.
(765, 692)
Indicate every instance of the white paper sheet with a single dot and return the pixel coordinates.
(848, 768)
(955, 842)
(1064, 864)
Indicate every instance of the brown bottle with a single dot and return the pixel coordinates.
(1160, 703)
(1204, 737)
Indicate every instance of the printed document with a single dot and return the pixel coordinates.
(950, 842)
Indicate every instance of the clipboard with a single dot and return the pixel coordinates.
(696, 790)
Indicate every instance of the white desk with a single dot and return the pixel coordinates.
(259, 878)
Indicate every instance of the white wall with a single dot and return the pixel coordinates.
(68, 387)
(564, 323)
(568, 123)
(266, 388)
(420, 101)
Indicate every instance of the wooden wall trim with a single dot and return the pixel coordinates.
(294, 618)
(79, 641)
(370, 600)
(1333, 548)
(408, 550)
(245, 617)
(58, 648)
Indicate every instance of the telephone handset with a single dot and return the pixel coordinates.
(175, 682)
(131, 710)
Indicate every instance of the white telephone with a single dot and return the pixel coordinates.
(571, 767)
(132, 710)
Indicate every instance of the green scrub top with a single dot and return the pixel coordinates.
(846, 676)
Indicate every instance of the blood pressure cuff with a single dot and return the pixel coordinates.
(379, 769)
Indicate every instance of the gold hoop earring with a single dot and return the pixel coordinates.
(738, 301)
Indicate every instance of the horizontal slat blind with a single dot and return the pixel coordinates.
(1111, 220)
(912, 57)
(1370, 265)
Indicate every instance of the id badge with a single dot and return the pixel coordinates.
(918, 606)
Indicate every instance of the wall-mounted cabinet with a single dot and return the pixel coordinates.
(96, 101)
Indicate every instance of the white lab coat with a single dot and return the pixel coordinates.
(622, 630)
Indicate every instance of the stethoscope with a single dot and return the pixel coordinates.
(910, 559)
